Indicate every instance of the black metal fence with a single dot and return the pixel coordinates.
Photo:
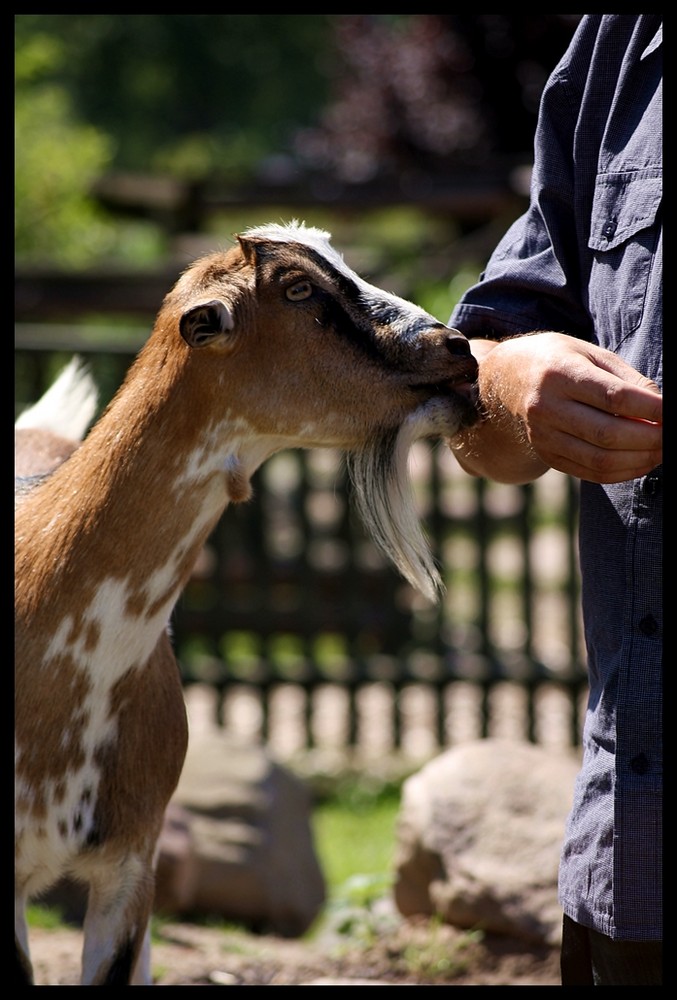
(291, 611)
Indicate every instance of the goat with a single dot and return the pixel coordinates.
(273, 343)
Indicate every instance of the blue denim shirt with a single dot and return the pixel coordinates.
(586, 259)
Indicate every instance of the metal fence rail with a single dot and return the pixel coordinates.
(290, 596)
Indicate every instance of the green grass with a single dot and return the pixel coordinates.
(44, 917)
(354, 830)
(355, 834)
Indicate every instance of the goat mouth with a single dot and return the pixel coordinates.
(463, 382)
(468, 390)
(466, 398)
(463, 386)
(462, 393)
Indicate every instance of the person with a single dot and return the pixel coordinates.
(566, 324)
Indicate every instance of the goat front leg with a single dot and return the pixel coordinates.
(116, 929)
(23, 971)
(142, 972)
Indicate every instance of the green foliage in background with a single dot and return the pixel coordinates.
(234, 98)
(58, 157)
(197, 93)
(182, 94)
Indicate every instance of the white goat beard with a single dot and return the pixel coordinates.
(385, 501)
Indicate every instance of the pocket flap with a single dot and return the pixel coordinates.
(623, 205)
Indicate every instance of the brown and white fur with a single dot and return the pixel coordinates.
(274, 343)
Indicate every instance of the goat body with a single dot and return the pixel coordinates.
(274, 343)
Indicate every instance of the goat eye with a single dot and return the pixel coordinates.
(299, 291)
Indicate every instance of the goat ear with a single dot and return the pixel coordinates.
(248, 248)
(203, 323)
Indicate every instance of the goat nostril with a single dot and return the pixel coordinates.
(457, 344)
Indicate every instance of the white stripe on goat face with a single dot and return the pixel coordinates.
(405, 319)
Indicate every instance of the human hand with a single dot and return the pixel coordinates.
(577, 407)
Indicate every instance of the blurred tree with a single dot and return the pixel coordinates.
(260, 96)
(190, 94)
(357, 94)
(58, 157)
(429, 92)
(56, 160)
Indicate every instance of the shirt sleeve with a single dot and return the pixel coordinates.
(533, 280)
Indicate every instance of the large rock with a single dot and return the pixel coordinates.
(479, 836)
(237, 841)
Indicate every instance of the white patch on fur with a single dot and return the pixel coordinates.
(45, 849)
(124, 639)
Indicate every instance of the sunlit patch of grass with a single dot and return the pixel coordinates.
(355, 832)
(44, 917)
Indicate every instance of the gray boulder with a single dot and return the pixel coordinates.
(237, 841)
(479, 835)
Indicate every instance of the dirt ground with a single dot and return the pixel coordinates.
(415, 953)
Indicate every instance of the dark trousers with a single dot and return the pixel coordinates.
(592, 959)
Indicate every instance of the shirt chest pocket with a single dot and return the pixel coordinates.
(623, 238)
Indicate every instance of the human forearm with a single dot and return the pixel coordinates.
(497, 447)
(552, 401)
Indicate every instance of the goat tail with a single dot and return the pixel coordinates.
(385, 501)
(68, 407)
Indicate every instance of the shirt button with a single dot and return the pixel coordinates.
(648, 625)
(609, 229)
(652, 484)
(639, 764)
